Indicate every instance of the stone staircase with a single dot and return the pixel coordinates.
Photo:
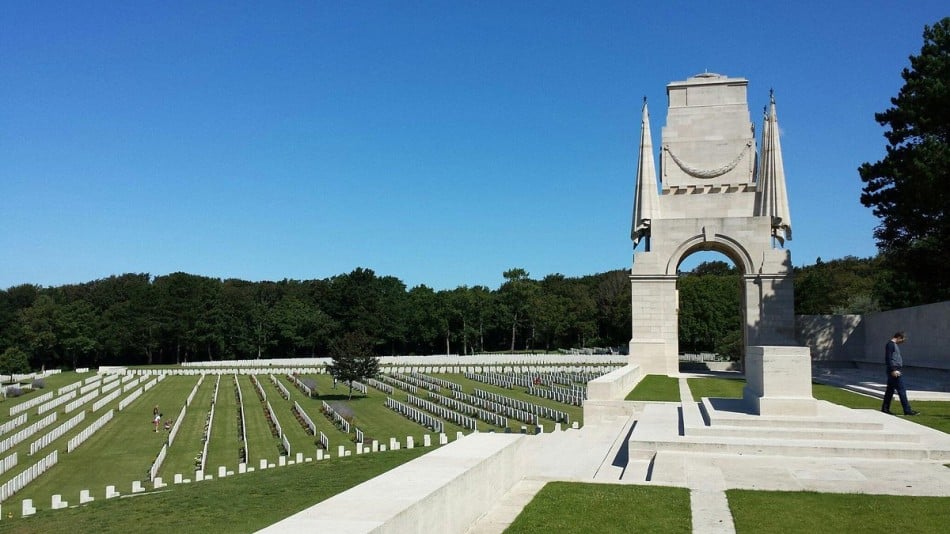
(725, 427)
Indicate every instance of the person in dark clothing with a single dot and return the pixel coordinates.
(895, 381)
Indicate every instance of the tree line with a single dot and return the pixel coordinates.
(137, 319)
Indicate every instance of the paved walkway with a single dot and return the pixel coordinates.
(599, 453)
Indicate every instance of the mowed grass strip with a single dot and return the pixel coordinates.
(572, 507)
(724, 388)
(314, 406)
(237, 504)
(656, 388)
(180, 458)
(118, 454)
(224, 443)
(810, 512)
(261, 443)
(299, 439)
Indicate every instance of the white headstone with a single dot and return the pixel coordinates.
(199, 475)
(299, 457)
(177, 479)
(242, 468)
(341, 450)
(222, 471)
(158, 484)
(263, 464)
(28, 507)
(84, 496)
(57, 502)
(426, 440)
(281, 461)
(409, 442)
(443, 439)
(111, 492)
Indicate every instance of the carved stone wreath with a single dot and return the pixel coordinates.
(708, 173)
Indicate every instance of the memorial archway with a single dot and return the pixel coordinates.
(715, 192)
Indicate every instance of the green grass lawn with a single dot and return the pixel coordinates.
(656, 388)
(574, 507)
(242, 503)
(261, 443)
(224, 445)
(725, 388)
(809, 512)
(181, 455)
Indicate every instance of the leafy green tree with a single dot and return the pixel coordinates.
(909, 189)
(14, 360)
(517, 295)
(709, 308)
(353, 359)
(38, 327)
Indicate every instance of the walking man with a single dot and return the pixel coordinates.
(895, 380)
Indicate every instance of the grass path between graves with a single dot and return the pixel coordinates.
(810, 512)
(299, 439)
(313, 407)
(241, 503)
(566, 507)
(261, 443)
(119, 453)
(223, 446)
(181, 455)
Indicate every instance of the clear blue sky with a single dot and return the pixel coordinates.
(439, 142)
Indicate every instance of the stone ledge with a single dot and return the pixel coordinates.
(446, 490)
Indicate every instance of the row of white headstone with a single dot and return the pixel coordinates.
(414, 414)
(26, 405)
(419, 382)
(480, 413)
(515, 413)
(56, 433)
(15, 439)
(300, 385)
(17, 483)
(85, 433)
(306, 418)
(461, 420)
(438, 381)
(55, 402)
(57, 502)
(385, 388)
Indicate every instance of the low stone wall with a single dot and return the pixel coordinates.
(614, 385)
(859, 339)
(446, 490)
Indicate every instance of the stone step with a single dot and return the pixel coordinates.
(732, 412)
(787, 447)
(816, 434)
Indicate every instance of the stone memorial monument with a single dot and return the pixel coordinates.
(717, 192)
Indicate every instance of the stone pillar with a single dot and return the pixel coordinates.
(778, 381)
(654, 344)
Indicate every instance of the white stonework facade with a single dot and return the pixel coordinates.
(715, 192)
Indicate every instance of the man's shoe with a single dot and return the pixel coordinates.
(912, 413)
(888, 412)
